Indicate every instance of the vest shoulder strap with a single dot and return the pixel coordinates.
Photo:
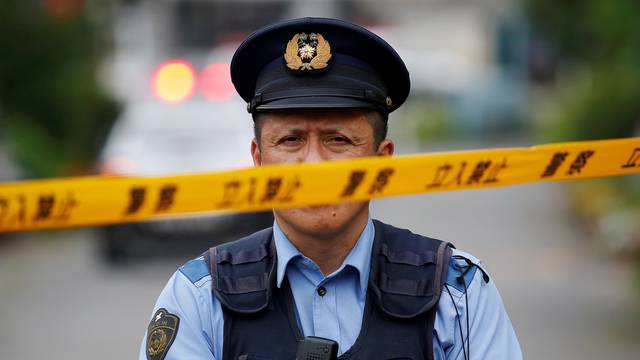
(243, 271)
(407, 271)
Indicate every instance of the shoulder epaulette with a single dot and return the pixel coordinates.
(461, 272)
(195, 270)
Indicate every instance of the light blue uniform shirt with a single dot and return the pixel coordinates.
(338, 314)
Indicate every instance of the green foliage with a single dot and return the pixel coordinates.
(600, 105)
(426, 119)
(589, 31)
(52, 109)
(602, 37)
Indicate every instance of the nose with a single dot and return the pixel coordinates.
(314, 152)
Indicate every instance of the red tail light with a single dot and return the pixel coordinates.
(215, 82)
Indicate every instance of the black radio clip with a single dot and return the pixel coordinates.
(317, 348)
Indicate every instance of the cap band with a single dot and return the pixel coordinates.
(367, 95)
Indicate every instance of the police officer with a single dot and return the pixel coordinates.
(322, 89)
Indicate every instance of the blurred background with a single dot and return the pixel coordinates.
(142, 87)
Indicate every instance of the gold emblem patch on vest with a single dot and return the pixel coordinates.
(307, 52)
(161, 333)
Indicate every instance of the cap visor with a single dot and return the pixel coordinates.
(318, 102)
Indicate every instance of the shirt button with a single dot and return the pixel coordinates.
(322, 291)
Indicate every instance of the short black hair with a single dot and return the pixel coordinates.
(377, 119)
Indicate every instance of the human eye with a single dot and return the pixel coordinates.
(338, 140)
(290, 140)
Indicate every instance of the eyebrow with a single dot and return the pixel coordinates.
(302, 131)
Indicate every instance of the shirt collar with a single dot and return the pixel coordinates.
(358, 258)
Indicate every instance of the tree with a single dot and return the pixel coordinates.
(602, 37)
(52, 110)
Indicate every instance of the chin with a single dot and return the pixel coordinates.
(321, 220)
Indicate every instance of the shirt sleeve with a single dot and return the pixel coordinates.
(182, 299)
(491, 334)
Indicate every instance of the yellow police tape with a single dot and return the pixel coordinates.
(60, 203)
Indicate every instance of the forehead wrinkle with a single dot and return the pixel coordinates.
(332, 130)
(308, 122)
(296, 130)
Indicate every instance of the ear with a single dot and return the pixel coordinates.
(385, 148)
(255, 153)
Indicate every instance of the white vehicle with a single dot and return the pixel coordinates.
(196, 123)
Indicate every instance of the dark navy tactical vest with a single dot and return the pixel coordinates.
(407, 273)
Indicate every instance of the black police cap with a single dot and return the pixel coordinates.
(312, 63)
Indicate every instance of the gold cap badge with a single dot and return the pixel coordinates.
(307, 52)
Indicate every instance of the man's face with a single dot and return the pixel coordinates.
(312, 136)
